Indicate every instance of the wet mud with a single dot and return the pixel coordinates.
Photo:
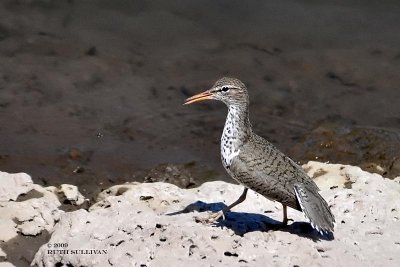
(91, 92)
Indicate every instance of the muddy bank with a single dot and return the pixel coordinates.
(92, 92)
(372, 148)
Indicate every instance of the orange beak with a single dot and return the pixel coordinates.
(199, 97)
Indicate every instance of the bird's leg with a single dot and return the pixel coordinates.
(215, 216)
(285, 218)
(237, 202)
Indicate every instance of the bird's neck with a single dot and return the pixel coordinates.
(237, 130)
(237, 125)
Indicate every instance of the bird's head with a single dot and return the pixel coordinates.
(231, 91)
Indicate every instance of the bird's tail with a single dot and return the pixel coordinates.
(315, 209)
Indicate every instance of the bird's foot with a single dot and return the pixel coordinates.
(212, 218)
(285, 221)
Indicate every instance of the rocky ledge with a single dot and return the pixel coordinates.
(152, 224)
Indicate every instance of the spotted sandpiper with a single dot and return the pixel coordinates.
(260, 166)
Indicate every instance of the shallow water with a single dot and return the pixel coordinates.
(91, 93)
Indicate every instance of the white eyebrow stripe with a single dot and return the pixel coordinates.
(229, 86)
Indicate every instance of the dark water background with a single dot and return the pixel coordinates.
(91, 92)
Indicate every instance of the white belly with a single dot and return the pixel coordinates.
(227, 158)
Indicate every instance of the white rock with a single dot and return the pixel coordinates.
(328, 175)
(33, 224)
(33, 215)
(13, 185)
(72, 193)
(2, 253)
(28, 217)
(153, 224)
(6, 264)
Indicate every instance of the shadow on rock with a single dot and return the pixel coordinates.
(21, 249)
(242, 223)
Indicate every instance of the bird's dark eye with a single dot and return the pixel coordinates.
(225, 89)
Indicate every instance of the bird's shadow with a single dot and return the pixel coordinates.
(242, 223)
